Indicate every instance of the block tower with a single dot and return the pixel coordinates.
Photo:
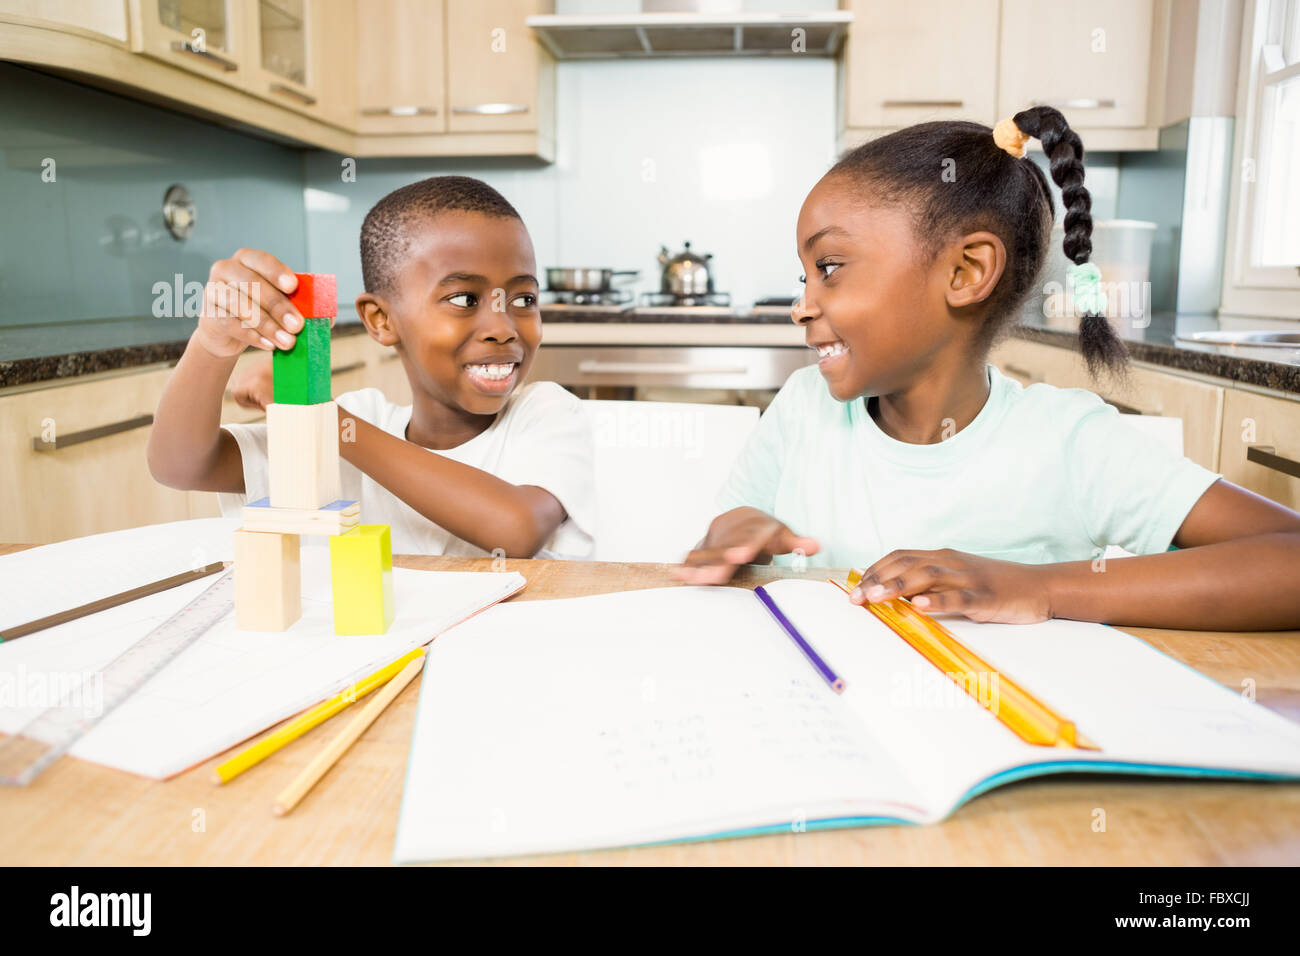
(302, 434)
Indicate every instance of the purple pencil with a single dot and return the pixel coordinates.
(834, 680)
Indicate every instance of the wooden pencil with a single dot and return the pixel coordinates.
(104, 603)
(292, 794)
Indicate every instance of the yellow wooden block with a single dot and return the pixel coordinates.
(361, 577)
(303, 446)
(268, 581)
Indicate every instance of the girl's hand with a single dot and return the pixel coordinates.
(740, 536)
(983, 589)
(254, 386)
(245, 302)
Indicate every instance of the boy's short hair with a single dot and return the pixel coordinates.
(385, 234)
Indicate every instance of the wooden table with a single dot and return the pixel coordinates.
(78, 813)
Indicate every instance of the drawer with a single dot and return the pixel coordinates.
(93, 476)
(1261, 445)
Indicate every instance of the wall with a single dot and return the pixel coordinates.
(720, 152)
(91, 244)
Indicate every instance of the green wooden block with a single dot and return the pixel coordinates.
(302, 374)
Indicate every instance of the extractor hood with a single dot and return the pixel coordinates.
(578, 37)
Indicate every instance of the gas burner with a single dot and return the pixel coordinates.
(668, 299)
(607, 298)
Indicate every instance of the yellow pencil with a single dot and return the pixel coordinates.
(322, 712)
(290, 795)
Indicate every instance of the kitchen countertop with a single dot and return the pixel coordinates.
(38, 353)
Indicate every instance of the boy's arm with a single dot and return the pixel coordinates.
(243, 305)
(474, 505)
(188, 448)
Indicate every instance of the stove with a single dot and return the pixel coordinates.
(611, 298)
(667, 300)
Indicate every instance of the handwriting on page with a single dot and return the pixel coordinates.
(797, 725)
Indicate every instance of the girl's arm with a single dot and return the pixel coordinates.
(474, 505)
(1238, 569)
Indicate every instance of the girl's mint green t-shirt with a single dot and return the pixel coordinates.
(1042, 474)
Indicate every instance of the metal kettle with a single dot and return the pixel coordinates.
(685, 273)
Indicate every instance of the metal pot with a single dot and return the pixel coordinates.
(685, 273)
(586, 280)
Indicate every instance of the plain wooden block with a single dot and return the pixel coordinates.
(361, 578)
(303, 444)
(268, 580)
(337, 517)
(301, 375)
(316, 296)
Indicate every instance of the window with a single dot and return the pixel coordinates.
(1262, 268)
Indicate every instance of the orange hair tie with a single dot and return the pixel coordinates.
(1009, 136)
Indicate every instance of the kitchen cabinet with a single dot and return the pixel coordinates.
(1145, 392)
(1092, 61)
(499, 77)
(93, 16)
(923, 60)
(401, 70)
(284, 55)
(1261, 445)
(207, 37)
(97, 478)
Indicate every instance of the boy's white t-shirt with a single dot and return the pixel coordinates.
(1042, 475)
(542, 437)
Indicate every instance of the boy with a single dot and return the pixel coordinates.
(472, 465)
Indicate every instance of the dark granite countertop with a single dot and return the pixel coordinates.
(38, 353)
(1157, 344)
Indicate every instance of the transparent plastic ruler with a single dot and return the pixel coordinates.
(53, 732)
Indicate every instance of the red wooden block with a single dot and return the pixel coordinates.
(317, 295)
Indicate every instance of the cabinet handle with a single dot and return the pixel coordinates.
(594, 367)
(350, 367)
(1266, 456)
(390, 357)
(910, 104)
(1022, 373)
(185, 46)
(399, 111)
(490, 109)
(90, 434)
(1081, 104)
(306, 98)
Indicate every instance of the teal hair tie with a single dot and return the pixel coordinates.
(1084, 282)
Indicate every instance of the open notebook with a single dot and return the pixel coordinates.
(227, 686)
(682, 713)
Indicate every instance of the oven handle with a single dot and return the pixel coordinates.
(596, 367)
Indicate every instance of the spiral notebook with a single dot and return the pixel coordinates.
(687, 713)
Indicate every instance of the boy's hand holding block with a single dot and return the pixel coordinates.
(302, 373)
(361, 576)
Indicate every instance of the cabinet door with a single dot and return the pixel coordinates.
(498, 75)
(205, 36)
(1091, 60)
(907, 63)
(400, 69)
(98, 478)
(1271, 427)
(283, 66)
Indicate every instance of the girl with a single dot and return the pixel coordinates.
(904, 451)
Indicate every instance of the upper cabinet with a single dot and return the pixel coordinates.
(207, 37)
(906, 63)
(283, 65)
(1101, 63)
(1092, 61)
(402, 67)
(499, 77)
